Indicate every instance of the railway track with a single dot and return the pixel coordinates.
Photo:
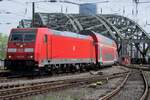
(8, 76)
(21, 90)
(147, 74)
(134, 87)
(139, 67)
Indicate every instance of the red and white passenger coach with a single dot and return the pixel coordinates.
(43, 48)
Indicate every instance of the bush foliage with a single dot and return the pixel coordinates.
(3, 44)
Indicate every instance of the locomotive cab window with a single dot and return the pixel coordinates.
(16, 37)
(22, 36)
(29, 37)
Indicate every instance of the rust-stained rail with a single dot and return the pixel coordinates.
(38, 81)
(26, 90)
(109, 95)
(146, 87)
(116, 90)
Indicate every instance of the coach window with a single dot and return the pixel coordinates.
(45, 38)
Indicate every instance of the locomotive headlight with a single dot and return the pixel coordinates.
(11, 50)
(28, 50)
(31, 57)
(21, 46)
(9, 57)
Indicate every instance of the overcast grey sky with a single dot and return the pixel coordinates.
(21, 10)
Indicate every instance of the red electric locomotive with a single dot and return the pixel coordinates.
(42, 48)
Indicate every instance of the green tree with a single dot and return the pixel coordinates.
(3, 44)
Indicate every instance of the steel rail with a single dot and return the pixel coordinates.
(112, 93)
(115, 91)
(146, 87)
(137, 67)
(12, 84)
(38, 88)
(144, 96)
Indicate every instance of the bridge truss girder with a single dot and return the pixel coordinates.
(133, 35)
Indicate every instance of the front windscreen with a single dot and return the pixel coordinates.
(29, 37)
(22, 36)
(16, 37)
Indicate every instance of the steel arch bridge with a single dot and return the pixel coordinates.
(131, 39)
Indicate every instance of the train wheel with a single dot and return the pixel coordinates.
(48, 69)
(56, 69)
(72, 68)
(88, 67)
(82, 68)
(77, 68)
(96, 67)
(64, 68)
